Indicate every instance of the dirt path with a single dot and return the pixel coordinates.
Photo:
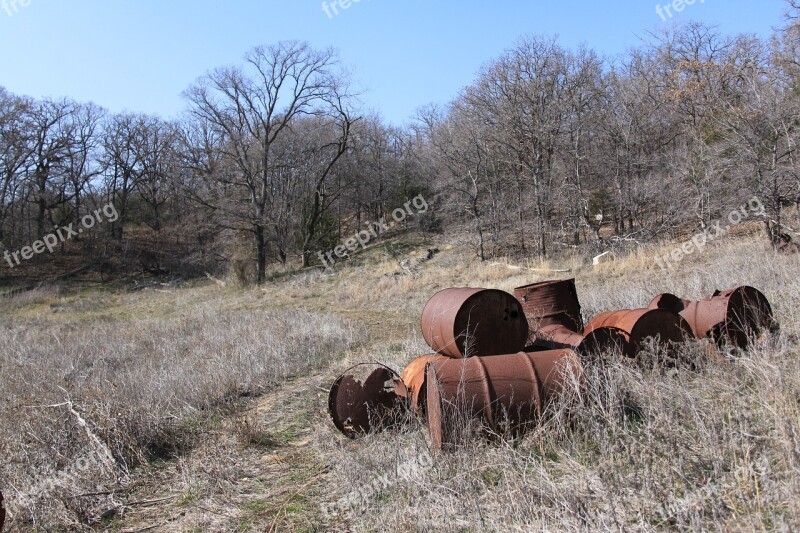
(257, 471)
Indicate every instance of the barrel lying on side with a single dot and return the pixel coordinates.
(598, 341)
(635, 325)
(554, 337)
(734, 316)
(413, 379)
(505, 393)
(463, 322)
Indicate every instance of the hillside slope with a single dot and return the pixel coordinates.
(247, 445)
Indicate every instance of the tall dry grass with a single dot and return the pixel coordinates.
(83, 402)
(646, 448)
(712, 447)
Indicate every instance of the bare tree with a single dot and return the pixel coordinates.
(253, 108)
(51, 146)
(16, 148)
(160, 164)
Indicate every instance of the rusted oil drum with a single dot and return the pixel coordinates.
(604, 341)
(734, 316)
(638, 324)
(463, 322)
(556, 337)
(549, 303)
(504, 393)
(357, 407)
(413, 378)
(668, 301)
(599, 341)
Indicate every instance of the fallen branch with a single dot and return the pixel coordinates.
(149, 502)
(515, 267)
(102, 449)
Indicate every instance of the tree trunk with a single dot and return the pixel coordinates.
(261, 255)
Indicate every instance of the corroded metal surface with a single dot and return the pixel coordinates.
(358, 408)
(603, 340)
(558, 371)
(734, 316)
(551, 303)
(668, 301)
(505, 390)
(463, 322)
(413, 378)
(504, 393)
(557, 336)
(636, 325)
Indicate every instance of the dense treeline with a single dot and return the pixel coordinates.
(274, 159)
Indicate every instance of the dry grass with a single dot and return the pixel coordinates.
(717, 449)
(714, 447)
(84, 402)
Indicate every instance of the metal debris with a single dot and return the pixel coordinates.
(668, 301)
(463, 322)
(556, 336)
(357, 409)
(480, 373)
(505, 393)
(551, 303)
(598, 341)
(734, 316)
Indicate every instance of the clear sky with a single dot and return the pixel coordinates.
(140, 55)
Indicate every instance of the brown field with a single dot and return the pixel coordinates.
(202, 408)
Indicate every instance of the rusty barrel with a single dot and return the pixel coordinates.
(505, 393)
(550, 303)
(734, 316)
(598, 341)
(669, 302)
(635, 325)
(357, 408)
(413, 378)
(462, 322)
(556, 337)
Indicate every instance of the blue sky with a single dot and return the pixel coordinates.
(139, 56)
